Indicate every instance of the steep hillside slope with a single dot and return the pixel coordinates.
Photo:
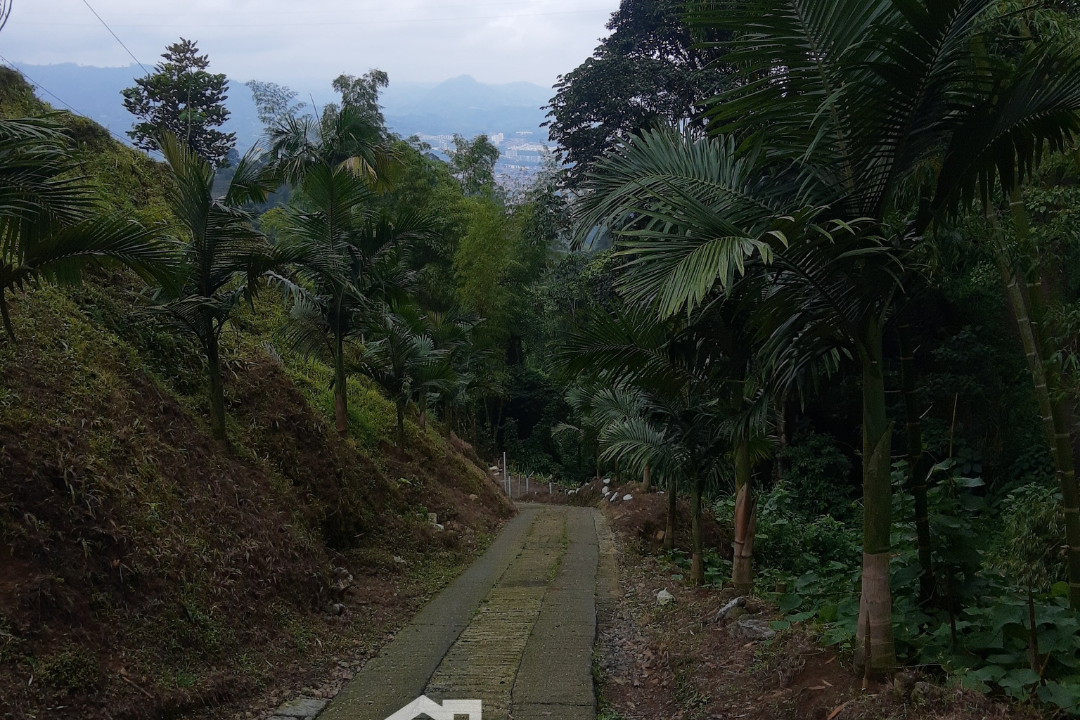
(147, 571)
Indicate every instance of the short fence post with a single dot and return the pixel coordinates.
(526, 484)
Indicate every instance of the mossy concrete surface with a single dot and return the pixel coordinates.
(515, 631)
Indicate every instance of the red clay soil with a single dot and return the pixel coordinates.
(148, 571)
(679, 662)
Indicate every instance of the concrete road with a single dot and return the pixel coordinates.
(515, 630)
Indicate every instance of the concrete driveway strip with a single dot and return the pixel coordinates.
(401, 671)
(555, 681)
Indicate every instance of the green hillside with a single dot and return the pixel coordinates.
(148, 569)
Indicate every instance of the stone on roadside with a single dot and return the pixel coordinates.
(664, 598)
(474, 497)
(302, 708)
(729, 607)
(607, 481)
(754, 629)
(605, 491)
(627, 497)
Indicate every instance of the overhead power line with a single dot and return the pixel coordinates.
(56, 97)
(87, 4)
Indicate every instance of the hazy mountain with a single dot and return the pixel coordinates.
(459, 105)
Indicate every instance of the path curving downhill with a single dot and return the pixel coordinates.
(515, 630)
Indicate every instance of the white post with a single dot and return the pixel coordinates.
(549, 487)
(526, 484)
(506, 475)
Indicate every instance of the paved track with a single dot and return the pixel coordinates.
(515, 630)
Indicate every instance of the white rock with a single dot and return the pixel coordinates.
(439, 527)
(494, 468)
(753, 629)
(627, 497)
(607, 481)
(400, 560)
(605, 491)
(664, 598)
(723, 612)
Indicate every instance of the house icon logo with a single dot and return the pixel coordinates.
(449, 710)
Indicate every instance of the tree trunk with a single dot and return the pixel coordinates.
(400, 423)
(498, 421)
(217, 388)
(875, 602)
(1055, 413)
(672, 512)
(742, 562)
(341, 400)
(781, 437)
(917, 465)
(697, 558)
(646, 479)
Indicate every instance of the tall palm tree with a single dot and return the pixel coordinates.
(349, 261)
(51, 225)
(400, 355)
(339, 161)
(838, 110)
(223, 255)
(659, 401)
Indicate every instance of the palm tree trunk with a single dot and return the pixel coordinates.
(697, 557)
(742, 562)
(6, 317)
(1055, 413)
(400, 423)
(217, 388)
(341, 401)
(875, 603)
(672, 512)
(646, 479)
(917, 465)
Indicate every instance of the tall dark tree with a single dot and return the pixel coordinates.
(648, 72)
(183, 99)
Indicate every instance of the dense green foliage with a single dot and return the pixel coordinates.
(182, 98)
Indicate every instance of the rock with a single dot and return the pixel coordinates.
(474, 497)
(627, 497)
(605, 491)
(336, 609)
(739, 602)
(400, 560)
(494, 468)
(902, 684)
(922, 693)
(433, 518)
(660, 534)
(607, 481)
(664, 598)
(302, 708)
(439, 527)
(754, 629)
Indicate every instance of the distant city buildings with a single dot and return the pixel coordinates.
(520, 155)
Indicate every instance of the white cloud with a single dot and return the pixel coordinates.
(315, 40)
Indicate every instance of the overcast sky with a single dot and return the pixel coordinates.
(314, 40)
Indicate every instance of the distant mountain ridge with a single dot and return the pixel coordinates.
(458, 105)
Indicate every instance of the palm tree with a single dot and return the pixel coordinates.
(338, 161)
(222, 258)
(659, 401)
(837, 107)
(400, 355)
(349, 262)
(51, 226)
